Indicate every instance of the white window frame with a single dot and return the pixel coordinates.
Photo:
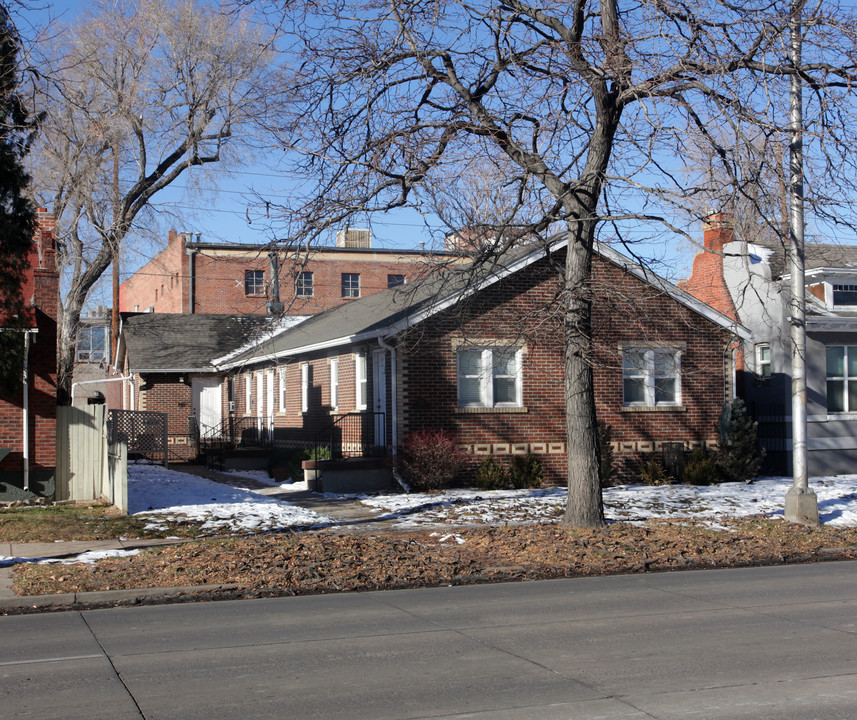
(649, 378)
(248, 394)
(360, 382)
(282, 376)
(351, 287)
(254, 288)
(487, 376)
(304, 387)
(761, 363)
(845, 379)
(305, 284)
(84, 337)
(334, 383)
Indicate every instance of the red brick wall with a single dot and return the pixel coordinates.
(43, 290)
(626, 311)
(167, 393)
(164, 282)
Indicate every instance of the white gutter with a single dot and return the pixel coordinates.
(394, 420)
(93, 382)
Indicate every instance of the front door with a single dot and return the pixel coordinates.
(379, 396)
(207, 401)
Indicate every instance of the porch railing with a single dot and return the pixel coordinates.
(238, 432)
(352, 435)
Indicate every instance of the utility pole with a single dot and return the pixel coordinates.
(114, 335)
(801, 502)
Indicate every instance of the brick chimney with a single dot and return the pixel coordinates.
(706, 278)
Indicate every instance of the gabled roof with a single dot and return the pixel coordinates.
(181, 342)
(392, 311)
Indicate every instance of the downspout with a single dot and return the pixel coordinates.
(394, 406)
(192, 280)
(26, 411)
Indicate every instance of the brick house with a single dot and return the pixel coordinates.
(750, 283)
(483, 358)
(167, 357)
(28, 406)
(216, 278)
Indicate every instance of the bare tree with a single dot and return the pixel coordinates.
(136, 94)
(590, 101)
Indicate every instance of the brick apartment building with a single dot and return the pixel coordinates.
(485, 361)
(28, 410)
(196, 277)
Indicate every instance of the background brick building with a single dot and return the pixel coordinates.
(29, 454)
(195, 277)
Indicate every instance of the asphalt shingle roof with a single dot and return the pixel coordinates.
(183, 342)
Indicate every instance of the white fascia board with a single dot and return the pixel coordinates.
(832, 324)
(286, 323)
(676, 293)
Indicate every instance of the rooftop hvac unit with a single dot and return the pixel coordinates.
(354, 238)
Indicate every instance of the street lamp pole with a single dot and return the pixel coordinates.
(801, 503)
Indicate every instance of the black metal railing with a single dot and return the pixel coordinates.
(352, 435)
(238, 432)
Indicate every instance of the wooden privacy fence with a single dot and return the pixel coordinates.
(88, 466)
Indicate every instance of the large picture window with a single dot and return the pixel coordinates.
(842, 378)
(651, 377)
(489, 377)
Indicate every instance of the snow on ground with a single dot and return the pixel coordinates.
(161, 495)
(837, 503)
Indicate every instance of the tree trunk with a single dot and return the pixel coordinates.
(584, 507)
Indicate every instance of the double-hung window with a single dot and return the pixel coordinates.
(842, 378)
(361, 398)
(651, 377)
(763, 360)
(350, 285)
(395, 280)
(282, 389)
(304, 284)
(304, 387)
(489, 377)
(334, 383)
(254, 282)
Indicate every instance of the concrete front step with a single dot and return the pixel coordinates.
(348, 476)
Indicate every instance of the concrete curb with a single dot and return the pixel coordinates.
(100, 597)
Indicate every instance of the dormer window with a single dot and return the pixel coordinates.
(844, 295)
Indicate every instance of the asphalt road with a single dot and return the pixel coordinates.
(752, 643)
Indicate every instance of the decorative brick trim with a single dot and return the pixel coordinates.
(653, 408)
(489, 411)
